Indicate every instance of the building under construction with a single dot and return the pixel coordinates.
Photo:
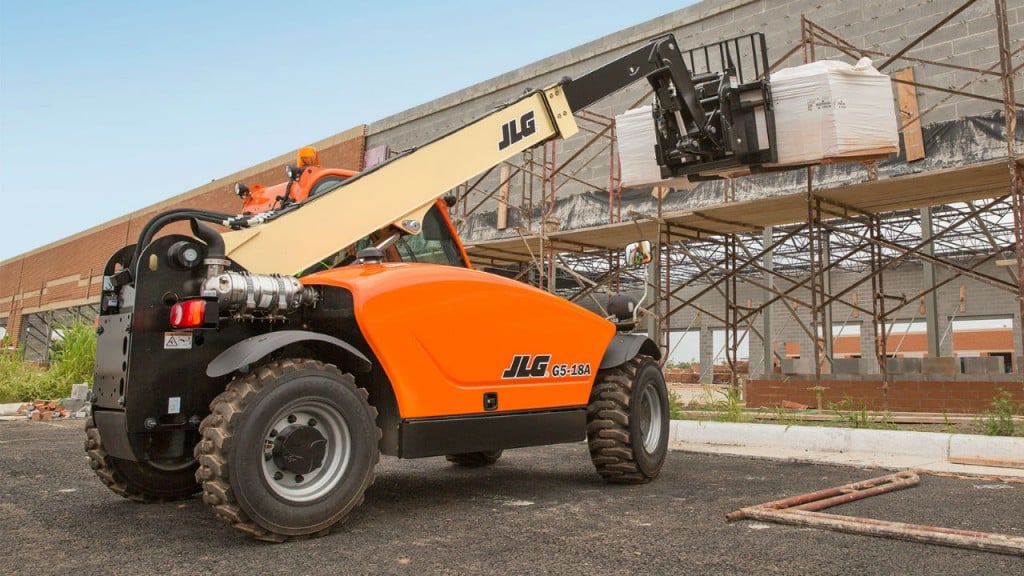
(858, 280)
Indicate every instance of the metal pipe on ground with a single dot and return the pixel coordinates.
(985, 541)
(801, 511)
(847, 492)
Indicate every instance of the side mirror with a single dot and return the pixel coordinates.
(638, 253)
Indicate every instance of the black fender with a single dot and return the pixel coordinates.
(252, 349)
(625, 347)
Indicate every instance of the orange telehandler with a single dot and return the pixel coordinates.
(269, 366)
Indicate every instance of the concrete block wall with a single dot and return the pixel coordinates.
(884, 26)
(981, 301)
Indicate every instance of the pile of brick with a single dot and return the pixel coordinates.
(681, 376)
(720, 374)
(43, 410)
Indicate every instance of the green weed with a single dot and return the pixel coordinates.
(675, 406)
(729, 407)
(860, 418)
(947, 425)
(998, 421)
(783, 416)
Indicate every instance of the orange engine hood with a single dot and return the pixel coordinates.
(445, 336)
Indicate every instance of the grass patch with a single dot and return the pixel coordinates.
(72, 359)
(19, 380)
(862, 418)
(720, 405)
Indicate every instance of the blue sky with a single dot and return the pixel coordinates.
(109, 106)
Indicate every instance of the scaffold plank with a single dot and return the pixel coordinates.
(936, 187)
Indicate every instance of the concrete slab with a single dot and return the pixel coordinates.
(79, 392)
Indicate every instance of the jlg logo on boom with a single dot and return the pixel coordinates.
(510, 133)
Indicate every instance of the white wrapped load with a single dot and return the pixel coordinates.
(635, 131)
(831, 109)
(636, 139)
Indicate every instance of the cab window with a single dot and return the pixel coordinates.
(326, 184)
(434, 244)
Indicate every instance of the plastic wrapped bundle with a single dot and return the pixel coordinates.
(636, 139)
(833, 110)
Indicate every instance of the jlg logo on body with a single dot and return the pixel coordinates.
(522, 367)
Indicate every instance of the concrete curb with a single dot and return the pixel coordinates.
(825, 444)
(889, 448)
(990, 447)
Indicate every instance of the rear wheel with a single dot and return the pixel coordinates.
(474, 459)
(139, 481)
(288, 450)
(627, 422)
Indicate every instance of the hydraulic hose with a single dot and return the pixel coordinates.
(216, 261)
(212, 238)
(178, 214)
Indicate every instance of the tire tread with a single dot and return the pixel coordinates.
(106, 470)
(217, 429)
(609, 437)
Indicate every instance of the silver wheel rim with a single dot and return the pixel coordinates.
(650, 419)
(323, 480)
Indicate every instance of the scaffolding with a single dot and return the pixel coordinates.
(960, 219)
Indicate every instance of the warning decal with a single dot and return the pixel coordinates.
(177, 340)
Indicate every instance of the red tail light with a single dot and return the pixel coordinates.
(188, 314)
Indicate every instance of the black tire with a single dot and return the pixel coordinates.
(474, 459)
(242, 477)
(627, 422)
(138, 481)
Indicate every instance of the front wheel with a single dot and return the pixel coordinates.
(627, 422)
(288, 450)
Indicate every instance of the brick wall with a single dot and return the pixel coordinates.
(69, 272)
(959, 395)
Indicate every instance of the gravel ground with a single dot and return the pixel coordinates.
(538, 511)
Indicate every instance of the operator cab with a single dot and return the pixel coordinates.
(306, 179)
(435, 244)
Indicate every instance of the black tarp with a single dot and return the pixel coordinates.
(948, 144)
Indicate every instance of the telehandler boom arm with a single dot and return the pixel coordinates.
(696, 119)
